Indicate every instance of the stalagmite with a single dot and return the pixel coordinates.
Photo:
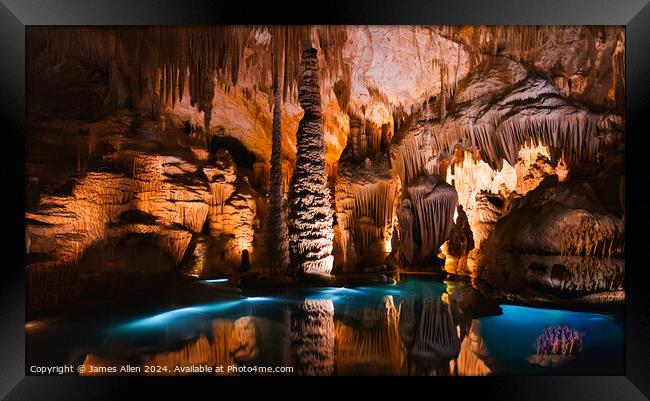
(310, 214)
(276, 241)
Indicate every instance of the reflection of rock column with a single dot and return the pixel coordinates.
(312, 338)
(407, 322)
(472, 360)
(310, 233)
(243, 342)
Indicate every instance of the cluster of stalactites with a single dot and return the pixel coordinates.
(366, 138)
(517, 41)
(160, 59)
(373, 215)
(426, 217)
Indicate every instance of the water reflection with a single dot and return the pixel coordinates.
(414, 328)
(368, 340)
(312, 337)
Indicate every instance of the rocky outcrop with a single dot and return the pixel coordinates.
(134, 192)
(558, 239)
(165, 187)
(310, 212)
(63, 226)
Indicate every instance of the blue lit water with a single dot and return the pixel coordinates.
(417, 326)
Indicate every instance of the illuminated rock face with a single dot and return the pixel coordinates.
(171, 193)
(459, 245)
(406, 122)
(310, 213)
(367, 196)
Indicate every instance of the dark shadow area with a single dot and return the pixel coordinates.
(240, 154)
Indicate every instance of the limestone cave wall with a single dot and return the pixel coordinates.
(393, 131)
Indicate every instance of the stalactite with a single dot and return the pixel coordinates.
(162, 58)
(433, 205)
(367, 196)
(310, 231)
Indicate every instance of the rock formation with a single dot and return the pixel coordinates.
(425, 218)
(556, 346)
(367, 196)
(310, 212)
(377, 134)
(559, 239)
(276, 246)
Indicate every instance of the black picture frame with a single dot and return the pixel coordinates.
(15, 15)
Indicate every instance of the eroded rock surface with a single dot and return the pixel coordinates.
(559, 238)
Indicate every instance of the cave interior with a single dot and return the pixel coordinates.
(277, 156)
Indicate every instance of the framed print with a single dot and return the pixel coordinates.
(218, 190)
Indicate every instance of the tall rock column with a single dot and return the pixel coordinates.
(310, 215)
(276, 247)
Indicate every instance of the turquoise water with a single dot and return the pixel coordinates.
(414, 327)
